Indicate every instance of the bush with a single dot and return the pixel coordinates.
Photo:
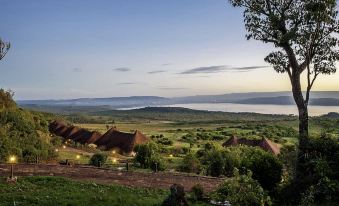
(197, 192)
(144, 153)
(157, 162)
(216, 165)
(191, 164)
(242, 190)
(57, 141)
(98, 159)
(266, 168)
(29, 154)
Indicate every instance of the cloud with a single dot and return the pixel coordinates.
(221, 68)
(166, 64)
(127, 83)
(156, 72)
(122, 69)
(247, 68)
(171, 88)
(205, 70)
(76, 69)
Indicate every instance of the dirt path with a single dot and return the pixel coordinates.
(161, 180)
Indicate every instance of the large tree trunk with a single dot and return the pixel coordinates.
(302, 107)
(303, 123)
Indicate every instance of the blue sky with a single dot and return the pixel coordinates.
(103, 48)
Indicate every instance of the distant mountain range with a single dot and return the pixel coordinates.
(327, 98)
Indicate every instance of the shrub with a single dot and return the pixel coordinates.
(191, 164)
(216, 163)
(57, 141)
(197, 192)
(266, 168)
(98, 159)
(146, 154)
(157, 162)
(242, 190)
(29, 154)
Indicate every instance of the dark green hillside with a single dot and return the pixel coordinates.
(22, 133)
(186, 115)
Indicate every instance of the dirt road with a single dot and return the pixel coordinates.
(161, 180)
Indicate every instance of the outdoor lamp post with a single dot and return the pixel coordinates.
(12, 160)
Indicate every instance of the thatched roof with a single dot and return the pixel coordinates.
(93, 138)
(264, 144)
(120, 141)
(56, 126)
(112, 139)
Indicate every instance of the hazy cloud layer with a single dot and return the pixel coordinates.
(221, 68)
(156, 72)
(247, 68)
(77, 69)
(122, 69)
(171, 88)
(127, 83)
(207, 70)
(166, 64)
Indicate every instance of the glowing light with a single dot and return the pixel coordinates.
(57, 150)
(171, 155)
(12, 159)
(114, 160)
(113, 152)
(64, 146)
(78, 156)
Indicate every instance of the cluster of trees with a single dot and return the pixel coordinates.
(320, 182)
(22, 133)
(161, 139)
(217, 161)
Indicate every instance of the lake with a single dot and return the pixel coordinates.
(257, 108)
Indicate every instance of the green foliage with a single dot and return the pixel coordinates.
(6, 99)
(147, 155)
(191, 164)
(197, 192)
(57, 141)
(266, 168)
(157, 163)
(216, 163)
(22, 133)
(242, 190)
(98, 159)
(318, 184)
(144, 153)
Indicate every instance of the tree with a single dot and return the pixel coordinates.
(302, 33)
(190, 163)
(4, 47)
(144, 153)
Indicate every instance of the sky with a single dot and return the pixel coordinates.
(103, 48)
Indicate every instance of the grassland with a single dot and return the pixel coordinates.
(61, 191)
(29, 191)
(188, 130)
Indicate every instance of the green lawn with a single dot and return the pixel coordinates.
(60, 191)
